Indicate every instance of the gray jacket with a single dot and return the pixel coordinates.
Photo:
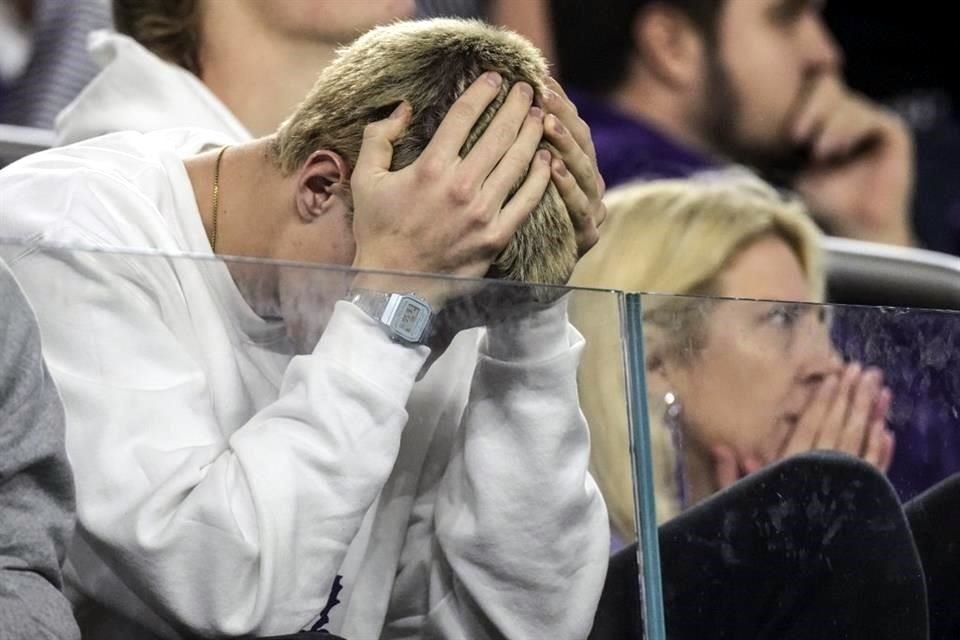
(36, 485)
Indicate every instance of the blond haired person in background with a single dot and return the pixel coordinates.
(813, 542)
(747, 383)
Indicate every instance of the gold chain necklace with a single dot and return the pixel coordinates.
(216, 198)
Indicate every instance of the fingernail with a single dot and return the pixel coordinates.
(543, 155)
(525, 89)
(399, 111)
(560, 168)
(536, 112)
(558, 126)
(493, 78)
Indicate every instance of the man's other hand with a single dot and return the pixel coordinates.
(861, 175)
(575, 171)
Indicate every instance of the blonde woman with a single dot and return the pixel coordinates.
(732, 386)
(814, 543)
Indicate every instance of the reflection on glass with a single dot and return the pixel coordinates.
(270, 457)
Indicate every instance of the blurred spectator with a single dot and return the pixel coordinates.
(43, 59)
(905, 58)
(36, 485)
(672, 86)
(195, 60)
(476, 9)
(742, 392)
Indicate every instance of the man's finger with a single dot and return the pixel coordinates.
(578, 207)
(516, 211)
(555, 86)
(463, 115)
(515, 163)
(557, 103)
(376, 151)
(573, 156)
(501, 135)
(814, 108)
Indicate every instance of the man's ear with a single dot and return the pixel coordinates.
(323, 179)
(670, 45)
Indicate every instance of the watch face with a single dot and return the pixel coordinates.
(410, 320)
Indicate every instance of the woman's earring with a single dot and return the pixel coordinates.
(672, 420)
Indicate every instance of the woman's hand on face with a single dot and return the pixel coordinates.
(848, 413)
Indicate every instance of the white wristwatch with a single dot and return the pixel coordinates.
(405, 317)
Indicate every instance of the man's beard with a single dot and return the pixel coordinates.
(721, 124)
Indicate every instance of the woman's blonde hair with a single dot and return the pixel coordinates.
(672, 237)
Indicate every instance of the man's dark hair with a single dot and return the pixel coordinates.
(595, 39)
(168, 28)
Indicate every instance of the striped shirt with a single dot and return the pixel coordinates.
(59, 65)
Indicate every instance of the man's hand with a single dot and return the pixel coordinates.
(445, 214)
(575, 172)
(861, 177)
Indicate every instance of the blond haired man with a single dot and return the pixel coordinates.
(226, 490)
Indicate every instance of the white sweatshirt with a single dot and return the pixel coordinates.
(137, 91)
(223, 487)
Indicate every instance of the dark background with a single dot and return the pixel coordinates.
(892, 48)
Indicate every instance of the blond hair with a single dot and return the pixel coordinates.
(675, 237)
(429, 64)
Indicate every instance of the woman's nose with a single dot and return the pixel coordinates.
(819, 358)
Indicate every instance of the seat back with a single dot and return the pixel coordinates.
(875, 274)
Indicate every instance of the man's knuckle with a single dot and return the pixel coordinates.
(493, 242)
(429, 169)
(372, 130)
(462, 192)
(482, 211)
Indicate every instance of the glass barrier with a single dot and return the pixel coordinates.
(262, 447)
(772, 425)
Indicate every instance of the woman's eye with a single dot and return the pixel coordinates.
(784, 316)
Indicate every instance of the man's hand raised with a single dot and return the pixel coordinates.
(575, 172)
(861, 174)
(446, 214)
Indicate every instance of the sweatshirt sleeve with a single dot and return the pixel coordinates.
(224, 529)
(36, 486)
(512, 541)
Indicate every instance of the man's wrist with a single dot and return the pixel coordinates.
(404, 316)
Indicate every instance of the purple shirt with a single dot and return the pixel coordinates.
(926, 408)
(630, 149)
